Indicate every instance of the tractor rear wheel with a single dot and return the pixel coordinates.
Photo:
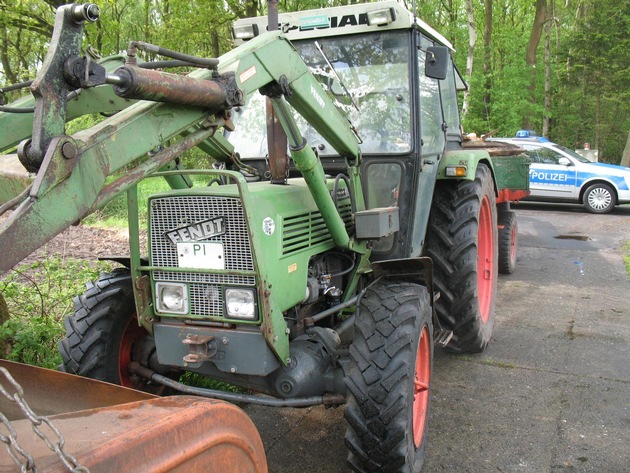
(508, 242)
(388, 377)
(103, 335)
(462, 242)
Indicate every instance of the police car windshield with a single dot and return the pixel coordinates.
(367, 75)
(572, 153)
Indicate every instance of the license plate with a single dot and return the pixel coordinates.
(200, 255)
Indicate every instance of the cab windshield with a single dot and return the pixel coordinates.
(367, 76)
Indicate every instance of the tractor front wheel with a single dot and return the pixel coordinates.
(389, 379)
(103, 335)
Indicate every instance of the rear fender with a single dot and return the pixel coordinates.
(469, 160)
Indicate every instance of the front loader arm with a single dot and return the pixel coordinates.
(71, 180)
(19, 126)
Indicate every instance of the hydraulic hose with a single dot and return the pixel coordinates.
(152, 48)
(326, 399)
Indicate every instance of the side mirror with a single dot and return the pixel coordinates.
(564, 162)
(436, 63)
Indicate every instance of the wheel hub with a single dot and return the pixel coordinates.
(421, 385)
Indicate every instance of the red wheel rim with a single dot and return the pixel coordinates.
(133, 333)
(421, 383)
(513, 246)
(485, 260)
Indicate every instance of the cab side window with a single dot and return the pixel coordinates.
(431, 118)
(450, 104)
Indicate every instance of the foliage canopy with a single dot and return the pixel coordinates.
(588, 51)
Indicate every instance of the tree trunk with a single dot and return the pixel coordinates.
(625, 157)
(530, 57)
(214, 41)
(487, 59)
(6, 62)
(472, 38)
(598, 121)
(547, 111)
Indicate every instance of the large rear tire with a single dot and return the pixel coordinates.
(389, 379)
(462, 242)
(103, 335)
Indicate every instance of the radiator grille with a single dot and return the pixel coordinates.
(206, 290)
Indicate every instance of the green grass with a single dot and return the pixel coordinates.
(200, 381)
(626, 257)
(114, 214)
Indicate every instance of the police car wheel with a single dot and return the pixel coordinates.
(599, 199)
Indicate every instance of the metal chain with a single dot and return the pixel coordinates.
(19, 455)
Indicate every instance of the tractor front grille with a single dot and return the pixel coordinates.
(205, 289)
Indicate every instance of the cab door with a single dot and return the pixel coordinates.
(549, 176)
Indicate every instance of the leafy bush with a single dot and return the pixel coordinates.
(38, 297)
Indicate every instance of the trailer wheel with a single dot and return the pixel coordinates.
(388, 377)
(462, 242)
(103, 335)
(508, 242)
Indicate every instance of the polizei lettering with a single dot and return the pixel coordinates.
(197, 231)
(547, 176)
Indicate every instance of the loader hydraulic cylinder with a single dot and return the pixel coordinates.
(158, 86)
(308, 164)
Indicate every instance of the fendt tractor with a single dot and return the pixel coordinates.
(341, 228)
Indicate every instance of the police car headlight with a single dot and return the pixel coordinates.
(171, 298)
(240, 304)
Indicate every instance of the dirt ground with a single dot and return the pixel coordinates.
(85, 243)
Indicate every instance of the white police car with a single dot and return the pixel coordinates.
(558, 174)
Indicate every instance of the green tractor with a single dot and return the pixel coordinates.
(326, 278)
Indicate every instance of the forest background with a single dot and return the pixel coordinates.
(559, 67)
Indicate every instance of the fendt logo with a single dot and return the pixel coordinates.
(197, 231)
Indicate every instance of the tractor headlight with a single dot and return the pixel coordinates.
(171, 298)
(240, 304)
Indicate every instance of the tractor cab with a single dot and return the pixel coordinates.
(393, 77)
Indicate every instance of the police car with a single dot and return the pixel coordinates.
(558, 174)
